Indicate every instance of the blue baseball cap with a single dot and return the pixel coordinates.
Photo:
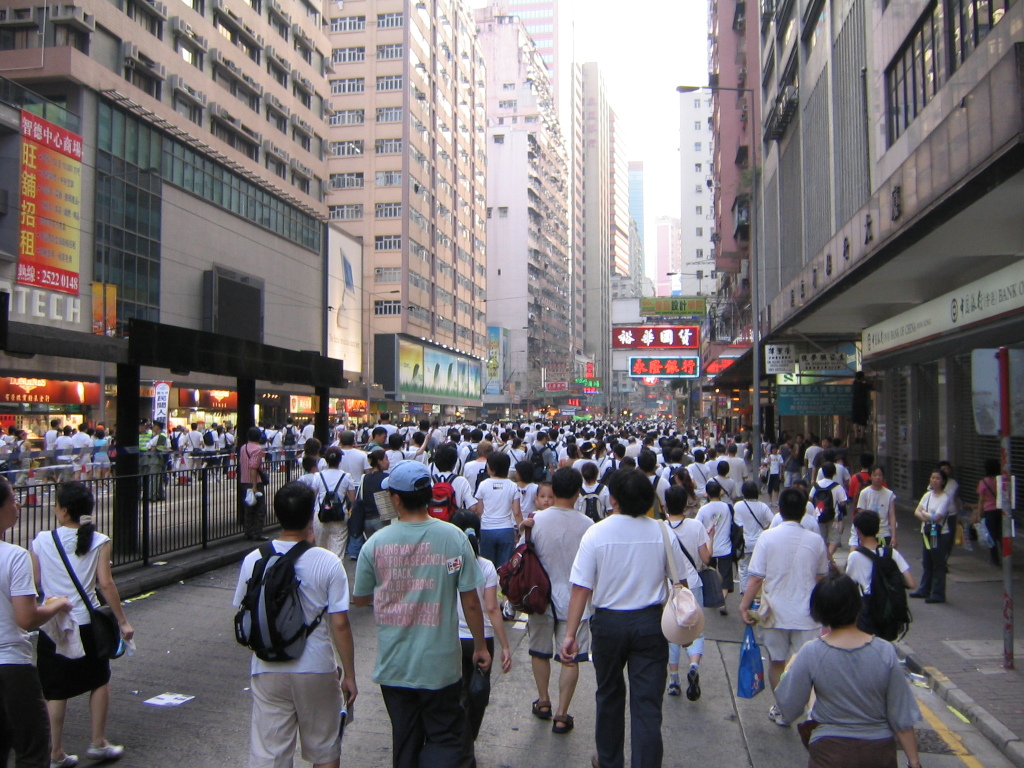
(407, 476)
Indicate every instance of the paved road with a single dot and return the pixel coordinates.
(186, 645)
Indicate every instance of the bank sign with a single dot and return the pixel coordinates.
(656, 337)
(681, 367)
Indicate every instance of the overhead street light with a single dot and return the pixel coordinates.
(755, 287)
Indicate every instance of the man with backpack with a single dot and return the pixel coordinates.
(475, 470)
(451, 491)
(884, 577)
(413, 571)
(829, 499)
(594, 498)
(542, 458)
(294, 674)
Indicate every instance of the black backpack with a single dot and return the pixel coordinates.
(480, 477)
(540, 464)
(739, 547)
(886, 605)
(208, 438)
(332, 508)
(289, 436)
(825, 503)
(592, 503)
(270, 621)
(614, 465)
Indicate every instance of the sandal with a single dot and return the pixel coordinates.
(542, 709)
(562, 724)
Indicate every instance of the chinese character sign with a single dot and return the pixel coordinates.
(656, 337)
(51, 193)
(665, 367)
(693, 306)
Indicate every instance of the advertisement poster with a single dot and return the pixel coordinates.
(51, 193)
(410, 366)
(104, 309)
(498, 358)
(161, 396)
(437, 372)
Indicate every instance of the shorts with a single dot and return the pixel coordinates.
(63, 678)
(781, 644)
(283, 703)
(546, 634)
(832, 532)
(723, 565)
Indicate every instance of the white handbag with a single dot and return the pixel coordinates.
(682, 619)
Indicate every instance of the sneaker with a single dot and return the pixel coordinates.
(775, 715)
(107, 752)
(693, 684)
(508, 613)
(674, 689)
(68, 761)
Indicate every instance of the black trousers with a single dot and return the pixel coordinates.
(24, 723)
(426, 726)
(630, 640)
(474, 714)
(994, 522)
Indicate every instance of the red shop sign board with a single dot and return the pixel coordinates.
(31, 390)
(656, 337)
(208, 399)
(664, 367)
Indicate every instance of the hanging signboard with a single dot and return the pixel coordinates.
(678, 306)
(656, 337)
(779, 358)
(681, 367)
(815, 400)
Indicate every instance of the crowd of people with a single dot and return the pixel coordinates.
(431, 514)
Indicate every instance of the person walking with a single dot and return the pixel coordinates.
(716, 516)
(621, 566)
(251, 477)
(82, 561)
(937, 532)
(413, 571)
(988, 509)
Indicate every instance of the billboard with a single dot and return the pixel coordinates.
(656, 337)
(681, 306)
(417, 372)
(498, 360)
(674, 367)
(51, 201)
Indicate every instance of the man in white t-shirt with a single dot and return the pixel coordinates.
(556, 535)
(443, 471)
(82, 445)
(63, 450)
(303, 694)
(500, 512)
(353, 460)
(716, 518)
(473, 469)
(788, 561)
(699, 473)
(621, 566)
(831, 529)
(739, 472)
(859, 566)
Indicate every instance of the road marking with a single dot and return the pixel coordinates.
(958, 713)
(951, 739)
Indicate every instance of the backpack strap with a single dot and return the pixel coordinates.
(293, 555)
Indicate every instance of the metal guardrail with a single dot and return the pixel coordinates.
(176, 509)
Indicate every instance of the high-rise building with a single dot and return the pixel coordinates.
(668, 257)
(577, 207)
(697, 195)
(529, 272)
(619, 213)
(598, 218)
(407, 161)
(636, 194)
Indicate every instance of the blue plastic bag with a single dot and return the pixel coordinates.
(750, 680)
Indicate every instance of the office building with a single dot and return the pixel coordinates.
(619, 185)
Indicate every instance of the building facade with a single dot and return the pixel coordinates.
(619, 213)
(528, 222)
(697, 195)
(669, 256)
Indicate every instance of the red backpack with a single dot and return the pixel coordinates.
(442, 504)
(524, 581)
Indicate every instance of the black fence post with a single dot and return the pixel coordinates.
(204, 501)
(126, 467)
(146, 546)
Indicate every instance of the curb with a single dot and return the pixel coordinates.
(1005, 740)
(138, 579)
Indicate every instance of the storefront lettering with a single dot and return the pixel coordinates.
(42, 305)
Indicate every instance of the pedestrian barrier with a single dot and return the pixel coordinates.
(173, 510)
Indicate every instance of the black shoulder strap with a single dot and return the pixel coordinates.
(687, 554)
(71, 571)
(867, 553)
(756, 519)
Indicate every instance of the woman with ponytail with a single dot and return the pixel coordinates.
(63, 678)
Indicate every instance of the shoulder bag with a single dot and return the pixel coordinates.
(710, 581)
(106, 633)
(682, 619)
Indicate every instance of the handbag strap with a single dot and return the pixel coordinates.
(670, 563)
(71, 571)
(687, 555)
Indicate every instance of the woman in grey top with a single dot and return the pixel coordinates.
(863, 698)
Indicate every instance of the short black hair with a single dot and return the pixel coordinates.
(633, 491)
(524, 470)
(867, 459)
(589, 471)
(470, 523)
(867, 523)
(698, 456)
(499, 463)
(828, 469)
(675, 500)
(750, 490)
(836, 601)
(792, 504)
(646, 461)
(723, 468)
(253, 434)
(992, 467)
(414, 500)
(333, 456)
(713, 489)
(445, 457)
(566, 483)
(293, 505)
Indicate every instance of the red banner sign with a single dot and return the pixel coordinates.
(664, 367)
(656, 337)
(30, 390)
(51, 195)
(556, 386)
(715, 367)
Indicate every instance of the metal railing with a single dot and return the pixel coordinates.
(175, 509)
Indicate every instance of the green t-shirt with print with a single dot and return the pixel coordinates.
(415, 572)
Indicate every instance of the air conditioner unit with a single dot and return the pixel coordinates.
(272, 149)
(181, 27)
(130, 51)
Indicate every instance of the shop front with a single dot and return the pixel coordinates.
(31, 403)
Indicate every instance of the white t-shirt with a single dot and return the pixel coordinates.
(738, 471)
(878, 501)
(556, 535)
(15, 581)
(604, 504)
(323, 582)
(937, 507)
(691, 535)
(54, 576)
(463, 489)
(497, 495)
(700, 476)
(490, 580)
(328, 478)
(730, 489)
(661, 485)
(842, 476)
(578, 464)
(774, 464)
(82, 443)
(715, 514)
(808, 521)
(838, 494)
(354, 462)
(859, 568)
(810, 453)
(62, 447)
(755, 517)
(308, 431)
(472, 470)
(527, 499)
(790, 559)
(49, 439)
(622, 559)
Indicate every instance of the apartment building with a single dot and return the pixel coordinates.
(619, 186)
(528, 185)
(407, 161)
(697, 195)
(198, 185)
(892, 176)
(636, 214)
(668, 256)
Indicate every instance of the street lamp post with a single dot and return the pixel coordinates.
(755, 288)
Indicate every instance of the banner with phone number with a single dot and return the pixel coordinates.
(51, 194)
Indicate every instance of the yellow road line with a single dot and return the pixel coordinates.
(951, 739)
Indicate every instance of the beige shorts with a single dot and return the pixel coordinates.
(546, 635)
(284, 703)
(832, 532)
(781, 644)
